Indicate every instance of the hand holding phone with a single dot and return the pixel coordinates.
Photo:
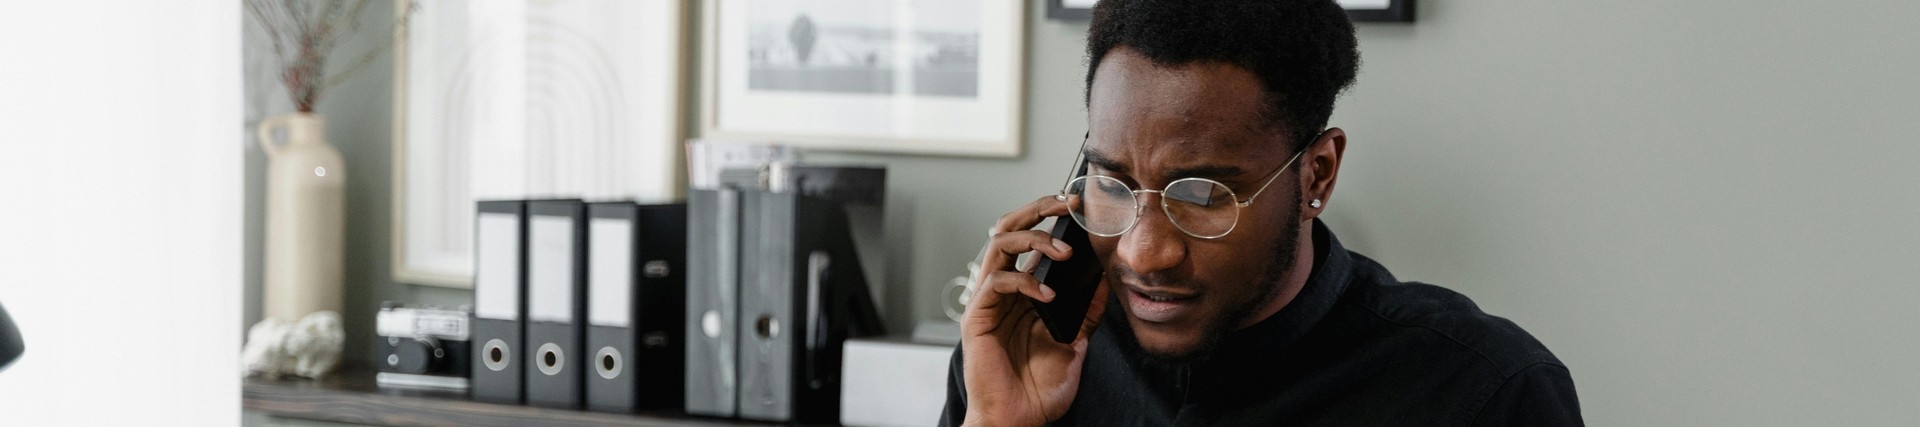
(1073, 281)
(1016, 368)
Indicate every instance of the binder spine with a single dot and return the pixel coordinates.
(615, 242)
(556, 311)
(500, 302)
(660, 345)
(713, 253)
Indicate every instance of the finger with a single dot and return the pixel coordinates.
(1008, 245)
(1013, 282)
(1095, 311)
(1029, 215)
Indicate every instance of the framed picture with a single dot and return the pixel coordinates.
(1358, 10)
(1379, 10)
(528, 99)
(1070, 10)
(902, 76)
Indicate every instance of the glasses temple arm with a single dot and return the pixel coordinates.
(1271, 178)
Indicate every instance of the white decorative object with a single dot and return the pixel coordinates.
(306, 218)
(308, 349)
(909, 76)
(528, 99)
(893, 383)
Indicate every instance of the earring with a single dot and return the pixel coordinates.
(1315, 203)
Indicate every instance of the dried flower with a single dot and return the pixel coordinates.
(304, 32)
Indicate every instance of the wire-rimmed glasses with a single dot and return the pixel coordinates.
(1200, 207)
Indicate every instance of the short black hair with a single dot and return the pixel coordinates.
(1303, 51)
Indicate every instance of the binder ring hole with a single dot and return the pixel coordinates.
(710, 324)
(609, 362)
(552, 360)
(495, 355)
(767, 327)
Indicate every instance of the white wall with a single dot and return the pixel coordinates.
(119, 231)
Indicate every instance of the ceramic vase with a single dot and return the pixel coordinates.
(306, 218)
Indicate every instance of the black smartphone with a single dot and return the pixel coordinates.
(1073, 280)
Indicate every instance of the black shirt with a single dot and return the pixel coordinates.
(1355, 347)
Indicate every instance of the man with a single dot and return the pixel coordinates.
(1225, 300)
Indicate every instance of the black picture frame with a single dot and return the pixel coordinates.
(1057, 10)
(1396, 11)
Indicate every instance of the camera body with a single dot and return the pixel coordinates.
(423, 347)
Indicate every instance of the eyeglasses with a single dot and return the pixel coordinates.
(1200, 207)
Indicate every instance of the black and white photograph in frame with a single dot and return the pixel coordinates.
(524, 99)
(1358, 10)
(904, 76)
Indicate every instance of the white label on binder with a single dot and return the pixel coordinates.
(496, 287)
(550, 269)
(610, 272)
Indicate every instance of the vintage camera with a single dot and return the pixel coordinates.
(423, 347)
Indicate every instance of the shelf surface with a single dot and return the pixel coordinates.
(350, 396)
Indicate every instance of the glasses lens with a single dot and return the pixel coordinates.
(1102, 205)
(1201, 207)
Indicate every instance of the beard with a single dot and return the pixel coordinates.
(1266, 285)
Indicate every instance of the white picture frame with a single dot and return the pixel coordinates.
(916, 96)
(528, 99)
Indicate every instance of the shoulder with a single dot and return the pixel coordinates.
(1449, 321)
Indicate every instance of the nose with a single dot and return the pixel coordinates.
(1154, 244)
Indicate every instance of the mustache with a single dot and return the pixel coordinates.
(1119, 274)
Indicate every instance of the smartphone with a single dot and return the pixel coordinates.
(1073, 280)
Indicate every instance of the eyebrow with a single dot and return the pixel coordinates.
(1213, 172)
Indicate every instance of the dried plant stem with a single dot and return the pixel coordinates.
(304, 33)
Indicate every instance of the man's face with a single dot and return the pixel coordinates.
(1151, 125)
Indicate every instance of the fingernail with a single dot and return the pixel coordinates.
(1062, 245)
(1046, 291)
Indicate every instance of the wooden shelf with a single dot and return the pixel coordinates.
(351, 397)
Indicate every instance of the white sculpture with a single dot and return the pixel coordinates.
(310, 348)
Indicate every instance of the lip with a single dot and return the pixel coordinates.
(1161, 305)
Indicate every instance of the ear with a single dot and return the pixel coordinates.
(1320, 169)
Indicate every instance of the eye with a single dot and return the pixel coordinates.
(1199, 193)
(1111, 187)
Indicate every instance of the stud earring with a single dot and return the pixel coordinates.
(1315, 203)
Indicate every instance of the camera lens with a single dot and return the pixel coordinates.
(417, 356)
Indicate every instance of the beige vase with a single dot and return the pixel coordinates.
(306, 218)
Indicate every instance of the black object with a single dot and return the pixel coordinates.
(500, 301)
(423, 347)
(1073, 280)
(775, 288)
(1058, 10)
(11, 344)
(713, 293)
(802, 294)
(1396, 11)
(556, 303)
(636, 317)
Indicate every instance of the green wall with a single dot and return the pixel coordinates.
(1703, 207)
